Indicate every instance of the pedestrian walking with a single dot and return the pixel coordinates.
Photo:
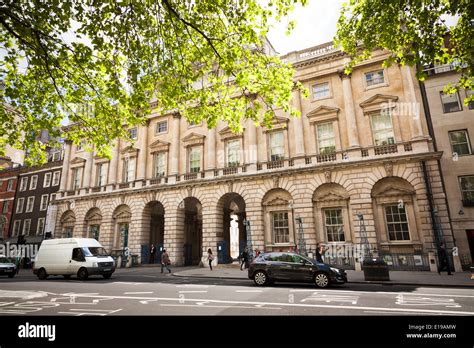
(244, 259)
(210, 257)
(443, 259)
(152, 253)
(320, 250)
(257, 253)
(165, 261)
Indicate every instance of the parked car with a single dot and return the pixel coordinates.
(7, 267)
(290, 267)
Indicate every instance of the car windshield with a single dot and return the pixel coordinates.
(94, 251)
(5, 260)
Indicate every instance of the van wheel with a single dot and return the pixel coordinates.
(321, 280)
(82, 274)
(67, 276)
(107, 276)
(42, 274)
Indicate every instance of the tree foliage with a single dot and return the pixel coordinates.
(414, 31)
(203, 59)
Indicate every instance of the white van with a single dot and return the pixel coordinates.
(73, 256)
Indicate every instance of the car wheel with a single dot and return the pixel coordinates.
(42, 274)
(107, 276)
(11, 275)
(321, 280)
(67, 276)
(260, 278)
(82, 274)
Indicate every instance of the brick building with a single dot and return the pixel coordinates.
(8, 183)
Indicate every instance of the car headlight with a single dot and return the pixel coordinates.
(335, 270)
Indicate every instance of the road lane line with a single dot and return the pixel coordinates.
(230, 307)
(381, 292)
(248, 290)
(138, 292)
(192, 291)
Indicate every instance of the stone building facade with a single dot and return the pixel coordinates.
(351, 154)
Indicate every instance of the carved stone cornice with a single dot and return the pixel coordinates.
(323, 113)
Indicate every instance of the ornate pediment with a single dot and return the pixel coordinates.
(330, 196)
(68, 218)
(323, 113)
(194, 139)
(277, 124)
(122, 215)
(393, 191)
(276, 201)
(78, 160)
(99, 159)
(378, 102)
(129, 150)
(95, 216)
(159, 145)
(227, 133)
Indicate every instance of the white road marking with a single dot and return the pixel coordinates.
(192, 291)
(390, 313)
(248, 290)
(229, 307)
(91, 312)
(192, 286)
(384, 293)
(405, 300)
(129, 283)
(25, 295)
(138, 292)
(331, 298)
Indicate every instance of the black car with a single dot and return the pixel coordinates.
(7, 267)
(291, 267)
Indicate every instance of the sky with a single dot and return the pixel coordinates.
(315, 24)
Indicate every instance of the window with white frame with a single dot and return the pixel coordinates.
(460, 142)
(233, 152)
(467, 188)
(128, 169)
(47, 180)
(374, 78)
(19, 205)
(44, 202)
(76, 178)
(159, 164)
(132, 132)
(321, 90)
(16, 227)
(397, 222)
(26, 227)
(23, 184)
(451, 102)
(10, 185)
(334, 225)
(30, 202)
(161, 127)
(326, 138)
(56, 156)
(382, 129)
(33, 182)
(470, 104)
(101, 177)
(277, 146)
(40, 226)
(194, 156)
(281, 231)
(56, 178)
(6, 205)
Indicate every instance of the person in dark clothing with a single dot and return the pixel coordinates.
(210, 257)
(152, 253)
(443, 259)
(165, 261)
(244, 259)
(320, 252)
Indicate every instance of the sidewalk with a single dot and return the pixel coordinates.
(459, 279)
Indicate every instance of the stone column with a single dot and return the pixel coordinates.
(142, 154)
(410, 97)
(351, 122)
(298, 129)
(65, 170)
(112, 178)
(251, 148)
(211, 149)
(175, 145)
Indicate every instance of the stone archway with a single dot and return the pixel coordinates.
(153, 230)
(122, 217)
(68, 220)
(190, 217)
(93, 223)
(279, 220)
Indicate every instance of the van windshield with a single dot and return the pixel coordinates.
(95, 251)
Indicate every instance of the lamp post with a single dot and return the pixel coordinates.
(249, 239)
(301, 241)
(291, 206)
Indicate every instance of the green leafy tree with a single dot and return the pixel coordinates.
(124, 59)
(414, 31)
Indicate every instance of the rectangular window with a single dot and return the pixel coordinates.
(26, 227)
(321, 90)
(23, 184)
(10, 185)
(195, 159)
(56, 156)
(334, 225)
(382, 129)
(460, 142)
(451, 102)
(467, 188)
(161, 127)
(132, 132)
(159, 164)
(94, 231)
(44, 202)
(40, 227)
(128, 169)
(33, 182)
(6, 205)
(19, 205)
(47, 180)
(397, 223)
(56, 178)
(469, 93)
(80, 146)
(101, 174)
(277, 146)
(373, 78)
(76, 178)
(16, 228)
(326, 138)
(281, 231)
(233, 153)
(30, 204)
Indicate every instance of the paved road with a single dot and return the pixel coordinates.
(145, 291)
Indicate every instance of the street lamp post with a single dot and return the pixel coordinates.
(301, 241)
(249, 239)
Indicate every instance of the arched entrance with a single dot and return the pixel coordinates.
(234, 237)
(191, 212)
(93, 222)
(153, 231)
(122, 217)
(68, 220)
